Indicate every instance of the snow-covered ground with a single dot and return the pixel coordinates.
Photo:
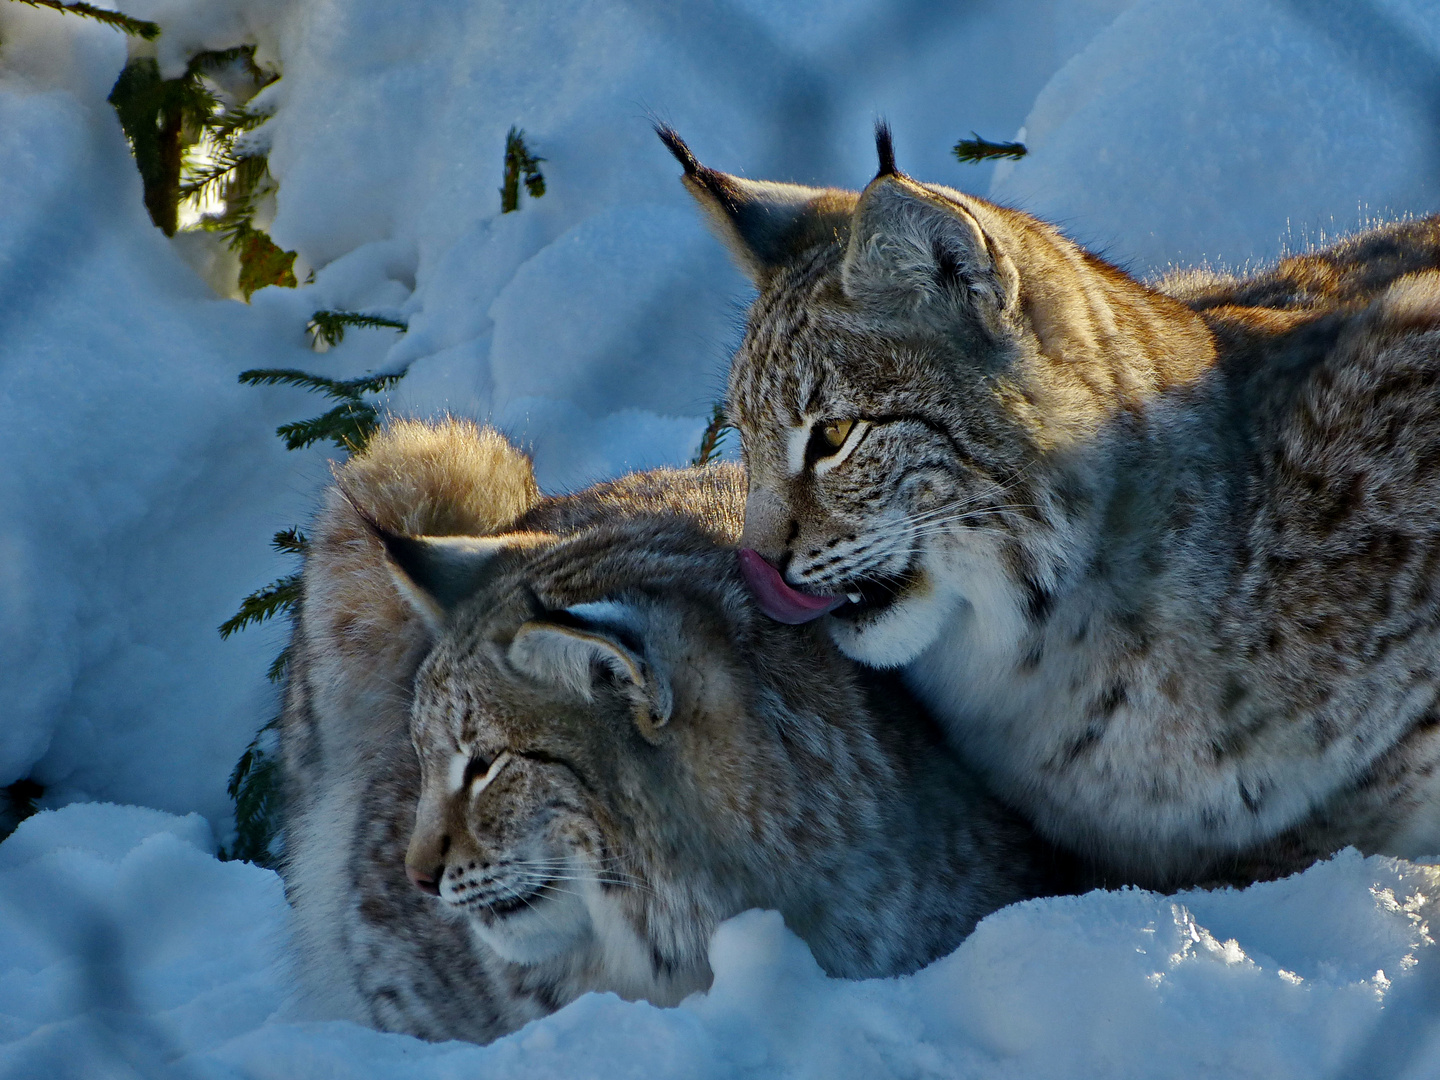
(141, 483)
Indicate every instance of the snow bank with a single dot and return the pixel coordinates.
(1235, 130)
(123, 941)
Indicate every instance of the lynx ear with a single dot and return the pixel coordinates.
(765, 225)
(912, 250)
(574, 658)
(435, 573)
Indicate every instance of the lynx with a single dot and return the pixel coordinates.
(565, 722)
(1164, 561)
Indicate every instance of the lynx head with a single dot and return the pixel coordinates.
(590, 766)
(923, 378)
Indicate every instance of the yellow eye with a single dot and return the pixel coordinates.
(835, 431)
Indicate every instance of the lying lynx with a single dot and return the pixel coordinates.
(616, 752)
(1166, 567)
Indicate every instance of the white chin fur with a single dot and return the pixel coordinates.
(901, 632)
(556, 923)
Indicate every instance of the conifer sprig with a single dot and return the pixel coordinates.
(276, 671)
(275, 599)
(291, 541)
(329, 326)
(714, 435)
(242, 172)
(255, 788)
(340, 389)
(975, 149)
(185, 139)
(348, 426)
(141, 28)
(520, 162)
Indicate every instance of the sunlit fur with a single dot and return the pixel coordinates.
(1166, 560)
(615, 753)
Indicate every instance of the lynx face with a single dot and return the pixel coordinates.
(515, 837)
(866, 482)
(923, 378)
(518, 741)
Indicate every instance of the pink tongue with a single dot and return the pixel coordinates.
(778, 600)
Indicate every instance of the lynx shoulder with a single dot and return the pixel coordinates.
(616, 752)
(1165, 561)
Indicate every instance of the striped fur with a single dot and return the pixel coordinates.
(1164, 561)
(615, 753)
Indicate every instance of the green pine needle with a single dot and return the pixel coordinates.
(291, 541)
(329, 326)
(275, 599)
(710, 441)
(255, 787)
(976, 149)
(140, 28)
(520, 162)
(279, 665)
(348, 425)
(295, 377)
(340, 389)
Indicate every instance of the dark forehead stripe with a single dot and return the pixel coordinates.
(780, 327)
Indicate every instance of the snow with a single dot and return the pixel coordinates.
(141, 483)
(123, 940)
(1229, 130)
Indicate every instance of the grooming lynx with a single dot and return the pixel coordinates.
(1165, 562)
(616, 752)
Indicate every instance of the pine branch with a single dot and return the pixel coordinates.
(519, 161)
(279, 665)
(291, 541)
(329, 326)
(140, 28)
(973, 150)
(349, 426)
(710, 441)
(340, 389)
(229, 122)
(220, 169)
(275, 599)
(293, 377)
(255, 787)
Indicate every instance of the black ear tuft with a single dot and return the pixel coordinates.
(676, 145)
(766, 225)
(885, 147)
(717, 185)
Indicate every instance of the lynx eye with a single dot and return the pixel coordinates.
(475, 768)
(835, 431)
(827, 437)
(479, 772)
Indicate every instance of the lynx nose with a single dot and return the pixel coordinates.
(426, 883)
(766, 522)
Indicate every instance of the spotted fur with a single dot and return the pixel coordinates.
(615, 753)
(1165, 561)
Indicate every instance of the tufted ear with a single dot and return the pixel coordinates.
(764, 224)
(575, 658)
(913, 250)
